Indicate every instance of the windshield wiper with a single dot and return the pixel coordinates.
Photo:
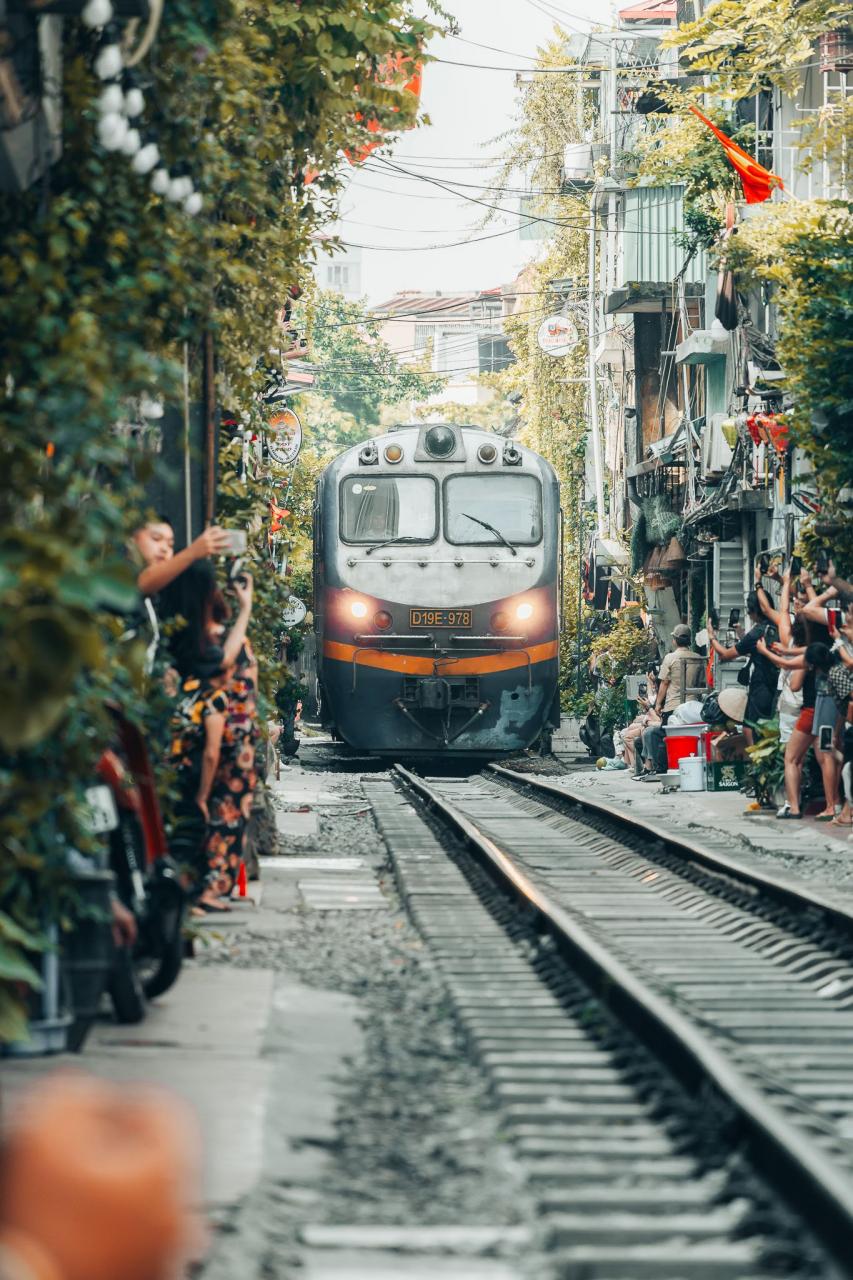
(377, 546)
(491, 528)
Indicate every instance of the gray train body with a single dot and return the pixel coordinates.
(436, 558)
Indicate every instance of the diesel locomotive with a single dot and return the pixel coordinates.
(437, 602)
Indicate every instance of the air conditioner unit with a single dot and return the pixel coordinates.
(716, 451)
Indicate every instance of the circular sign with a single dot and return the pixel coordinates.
(557, 335)
(294, 613)
(284, 435)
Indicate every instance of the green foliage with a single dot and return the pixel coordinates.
(103, 284)
(622, 650)
(357, 371)
(806, 250)
(765, 770)
(747, 45)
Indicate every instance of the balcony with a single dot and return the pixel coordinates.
(649, 258)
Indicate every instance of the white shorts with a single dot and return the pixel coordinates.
(787, 722)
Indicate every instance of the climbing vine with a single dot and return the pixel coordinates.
(107, 291)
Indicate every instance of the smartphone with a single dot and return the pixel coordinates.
(236, 542)
(821, 563)
(825, 737)
(796, 566)
(714, 618)
(833, 617)
(763, 563)
(236, 569)
(734, 617)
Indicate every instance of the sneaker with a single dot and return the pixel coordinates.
(651, 777)
(786, 812)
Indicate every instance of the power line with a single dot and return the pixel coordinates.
(454, 244)
(527, 71)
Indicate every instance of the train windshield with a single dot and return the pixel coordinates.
(510, 503)
(379, 508)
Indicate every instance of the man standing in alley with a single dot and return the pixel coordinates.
(762, 678)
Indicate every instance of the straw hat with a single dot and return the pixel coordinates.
(732, 703)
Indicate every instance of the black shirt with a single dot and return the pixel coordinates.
(764, 674)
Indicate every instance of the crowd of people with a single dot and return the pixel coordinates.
(210, 671)
(799, 671)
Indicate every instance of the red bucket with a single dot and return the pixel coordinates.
(685, 740)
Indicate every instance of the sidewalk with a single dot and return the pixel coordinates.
(813, 852)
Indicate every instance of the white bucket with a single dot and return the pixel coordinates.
(692, 773)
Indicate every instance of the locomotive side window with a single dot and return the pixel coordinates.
(486, 509)
(379, 508)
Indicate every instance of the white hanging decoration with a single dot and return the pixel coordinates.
(149, 407)
(134, 102)
(132, 142)
(97, 13)
(111, 100)
(194, 203)
(146, 158)
(112, 131)
(179, 189)
(160, 181)
(109, 62)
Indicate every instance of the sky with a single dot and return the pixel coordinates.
(468, 108)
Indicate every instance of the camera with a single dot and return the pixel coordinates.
(825, 737)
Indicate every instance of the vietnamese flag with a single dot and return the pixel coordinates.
(758, 183)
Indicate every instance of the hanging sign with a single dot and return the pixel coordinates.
(294, 612)
(284, 434)
(557, 335)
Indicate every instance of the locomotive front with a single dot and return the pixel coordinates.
(436, 555)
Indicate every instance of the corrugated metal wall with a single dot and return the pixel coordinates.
(650, 216)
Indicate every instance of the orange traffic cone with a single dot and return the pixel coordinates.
(242, 881)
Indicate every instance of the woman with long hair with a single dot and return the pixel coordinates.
(806, 671)
(202, 746)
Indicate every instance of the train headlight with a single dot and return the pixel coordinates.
(439, 442)
(500, 620)
(524, 611)
(487, 453)
(358, 609)
(382, 619)
(393, 453)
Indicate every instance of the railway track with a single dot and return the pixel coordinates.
(658, 1023)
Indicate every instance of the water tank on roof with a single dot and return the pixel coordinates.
(580, 159)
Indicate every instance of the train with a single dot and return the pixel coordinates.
(437, 561)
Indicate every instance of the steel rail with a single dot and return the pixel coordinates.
(788, 1158)
(789, 892)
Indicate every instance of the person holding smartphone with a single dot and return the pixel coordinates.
(807, 670)
(155, 543)
(762, 674)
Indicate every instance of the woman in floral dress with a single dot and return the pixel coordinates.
(236, 778)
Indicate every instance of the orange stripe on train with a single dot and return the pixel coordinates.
(414, 665)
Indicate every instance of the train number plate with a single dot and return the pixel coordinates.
(440, 618)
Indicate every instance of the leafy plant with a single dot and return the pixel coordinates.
(765, 770)
(108, 293)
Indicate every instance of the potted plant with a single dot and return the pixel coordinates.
(765, 770)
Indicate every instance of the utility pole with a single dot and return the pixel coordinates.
(593, 387)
